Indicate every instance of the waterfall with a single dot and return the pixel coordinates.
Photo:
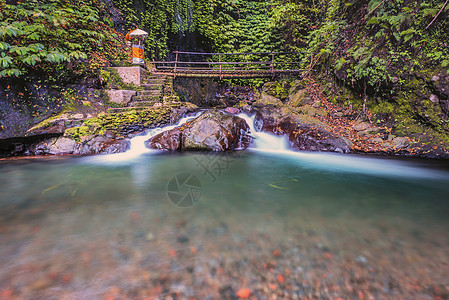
(137, 143)
(264, 141)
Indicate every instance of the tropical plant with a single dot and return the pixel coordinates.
(38, 34)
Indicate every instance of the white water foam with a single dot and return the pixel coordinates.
(264, 141)
(137, 144)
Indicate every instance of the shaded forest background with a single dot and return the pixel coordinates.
(391, 57)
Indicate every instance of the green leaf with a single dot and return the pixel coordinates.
(373, 20)
(32, 60)
(55, 57)
(6, 61)
(4, 46)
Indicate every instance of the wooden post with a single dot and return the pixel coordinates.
(272, 65)
(176, 63)
(219, 61)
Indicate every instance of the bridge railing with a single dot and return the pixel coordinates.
(228, 65)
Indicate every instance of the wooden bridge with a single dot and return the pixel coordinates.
(233, 65)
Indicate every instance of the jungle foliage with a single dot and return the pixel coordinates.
(221, 25)
(55, 35)
(373, 43)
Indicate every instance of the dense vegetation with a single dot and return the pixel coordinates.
(221, 25)
(52, 35)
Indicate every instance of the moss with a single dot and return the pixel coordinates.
(278, 89)
(383, 108)
(76, 133)
(47, 122)
(116, 122)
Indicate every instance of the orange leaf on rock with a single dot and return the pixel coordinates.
(243, 293)
(281, 278)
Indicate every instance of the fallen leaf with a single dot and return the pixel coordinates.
(243, 293)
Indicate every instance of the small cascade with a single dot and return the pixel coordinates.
(264, 141)
(137, 143)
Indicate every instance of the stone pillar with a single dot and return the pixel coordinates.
(131, 75)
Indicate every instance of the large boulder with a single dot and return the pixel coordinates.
(214, 130)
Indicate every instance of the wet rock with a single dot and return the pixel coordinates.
(361, 259)
(368, 131)
(232, 110)
(88, 145)
(182, 238)
(77, 116)
(316, 139)
(21, 145)
(400, 142)
(227, 292)
(266, 99)
(114, 146)
(300, 98)
(217, 131)
(214, 130)
(61, 145)
(168, 140)
(313, 111)
(434, 98)
(376, 140)
(149, 236)
(40, 284)
(361, 126)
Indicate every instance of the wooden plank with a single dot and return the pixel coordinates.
(235, 53)
(213, 62)
(226, 62)
(239, 74)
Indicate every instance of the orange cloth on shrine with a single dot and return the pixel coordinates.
(138, 51)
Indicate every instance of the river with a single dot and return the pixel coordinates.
(281, 224)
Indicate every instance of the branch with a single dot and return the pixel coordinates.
(377, 7)
(444, 5)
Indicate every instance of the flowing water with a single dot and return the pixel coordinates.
(285, 225)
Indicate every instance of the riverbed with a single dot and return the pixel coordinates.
(206, 225)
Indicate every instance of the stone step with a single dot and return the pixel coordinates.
(143, 103)
(150, 93)
(153, 81)
(125, 109)
(159, 76)
(153, 86)
(147, 98)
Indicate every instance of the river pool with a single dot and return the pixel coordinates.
(280, 224)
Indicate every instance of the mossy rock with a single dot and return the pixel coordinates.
(313, 111)
(299, 98)
(277, 89)
(266, 99)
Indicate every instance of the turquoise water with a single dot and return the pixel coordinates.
(331, 225)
